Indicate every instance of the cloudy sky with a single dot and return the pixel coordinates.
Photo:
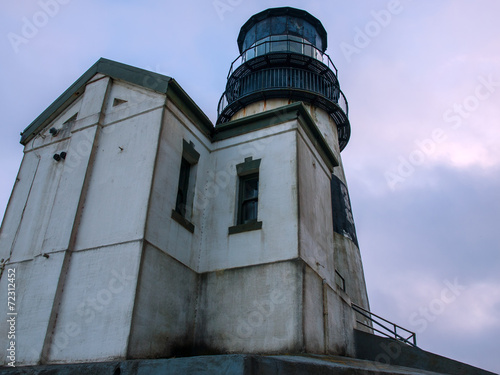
(423, 164)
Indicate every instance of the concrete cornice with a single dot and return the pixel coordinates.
(295, 111)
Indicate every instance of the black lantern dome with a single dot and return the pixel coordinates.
(283, 56)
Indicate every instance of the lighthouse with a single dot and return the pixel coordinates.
(140, 232)
(130, 206)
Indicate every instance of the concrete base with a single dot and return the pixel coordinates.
(380, 349)
(232, 364)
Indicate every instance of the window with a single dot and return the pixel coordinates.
(247, 199)
(185, 189)
(182, 190)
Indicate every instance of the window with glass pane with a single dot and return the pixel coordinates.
(250, 54)
(278, 43)
(249, 196)
(296, 44)
(182, 191)
(309, 50)
(262, 46)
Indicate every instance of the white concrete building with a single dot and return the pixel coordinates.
(139, 230)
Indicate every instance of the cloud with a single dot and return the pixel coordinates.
(440, 227)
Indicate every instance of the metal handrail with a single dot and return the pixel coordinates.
(318, 54)
(391, 333)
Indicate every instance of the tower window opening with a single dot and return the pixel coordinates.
(182, 190)
(282, 43)
(187, 176)
(248, 198)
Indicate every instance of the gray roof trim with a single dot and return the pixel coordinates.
(294, 111)
(188, 106)
(140, 77)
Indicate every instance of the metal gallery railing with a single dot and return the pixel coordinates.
(283, 78)
(284, 46)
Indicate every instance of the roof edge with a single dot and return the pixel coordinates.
(270, 12)
(189, 107)
(141, 77)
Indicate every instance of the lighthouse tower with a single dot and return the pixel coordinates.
(283, 61)
(282, 70)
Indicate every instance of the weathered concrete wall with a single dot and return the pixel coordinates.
(95, 312)
(164, 315)
(348, 262)
(40, 220)
(165, 302)
(69, 192)
(111, 227)
(259, 107)
(162, 231)
(327, 128)
(316, 227)
(17, 203)
(324, 251)
(45, 199)
(277, 207)
(73, 308)
(341, 323)
(328, 317)
(36, 285)
(137, 101)
(314, 310)
(251, 309)
(32, 229)
(120, 183)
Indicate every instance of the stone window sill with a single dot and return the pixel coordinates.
(245, 227)
(182, 221)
